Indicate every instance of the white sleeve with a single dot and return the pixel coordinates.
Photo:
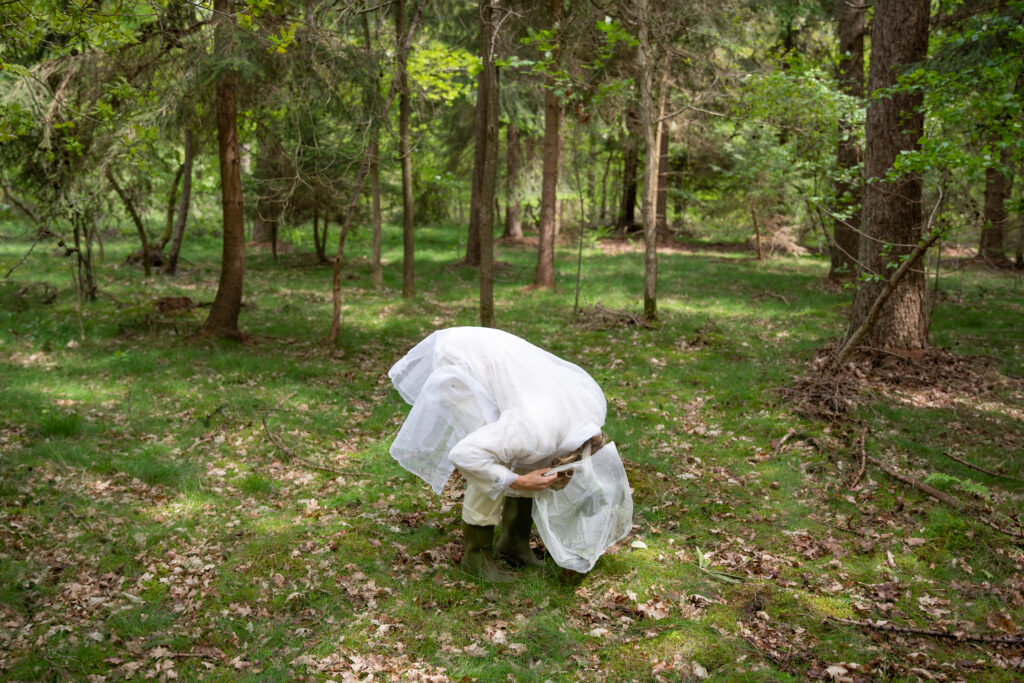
(482, 458)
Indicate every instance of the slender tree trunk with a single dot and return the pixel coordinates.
(376, 272)
(545, 275)
(488, 139)
(480, 124)
(184, 203)
(223, 318)
(405, 149)
(892, 209)
(661, 208)
(320, 245)
(172, 203)
(630, 166)
(678, 166)
(403, 49)
(268, 196)
(757, 228)
(993, 233)
(136, 219)
(513, 212)
(845, 236)
(602, 214)
(647, 78)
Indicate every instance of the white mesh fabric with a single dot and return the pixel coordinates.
(592, 513)
(490, 403)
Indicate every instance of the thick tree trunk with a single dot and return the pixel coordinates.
(405, 149)
(223, 318)
(184, 204)
(545, 276)
(892, 209)
(488, 172)
(845, 236)
(991, 247)
(513, 212)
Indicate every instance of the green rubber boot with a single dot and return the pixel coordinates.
(477, 560)
(516, 523)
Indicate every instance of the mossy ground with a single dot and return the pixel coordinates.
(150, 527)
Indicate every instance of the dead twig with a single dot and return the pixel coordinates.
(774, 296)
(942, 497)
(976, 467)
(781, 442)
(308, 463)
(863, 459)
(951, 635)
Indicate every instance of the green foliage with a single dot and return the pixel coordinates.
(441, 73)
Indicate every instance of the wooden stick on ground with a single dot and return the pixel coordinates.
(863, 459)
(940, 496)
(936, 633)
(304, 461)
(781, 442)
(976, 467)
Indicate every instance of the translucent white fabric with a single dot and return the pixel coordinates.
(491, 404)
(589, 515)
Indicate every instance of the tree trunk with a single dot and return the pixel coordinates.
(652, 147)
(223, 318)
(513, 212)
(376, 272)
(184, 203)
(630, 166)
(661, 208)
(172, 203)
(269, 203)
(602, 214)
(364, 167)
(677, 164)
(892, 209)
(136, 219)
(545, 275)
(405, 149)
(376, 268)
(993, 233)
(480, 123)
(845, 236)
(488, 172)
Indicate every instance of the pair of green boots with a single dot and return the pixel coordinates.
(513, 545)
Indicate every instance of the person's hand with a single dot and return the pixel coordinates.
(533, 481)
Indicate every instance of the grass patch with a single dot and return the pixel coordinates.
(142, 500)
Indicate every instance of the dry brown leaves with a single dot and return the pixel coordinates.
(930, 378)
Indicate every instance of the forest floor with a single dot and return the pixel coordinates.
(150, 527)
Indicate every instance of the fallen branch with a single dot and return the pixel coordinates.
(943, 497)
(936, 633)
(308, 463)
(876, 308)
(976, 467)
(863, 459)
(782, 441)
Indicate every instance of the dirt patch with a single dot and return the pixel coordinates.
(927, 378)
